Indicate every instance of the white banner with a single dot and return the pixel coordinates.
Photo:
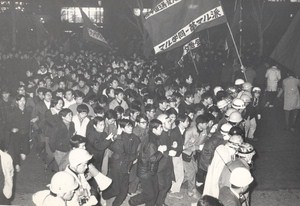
(161, 7)
(193, 44)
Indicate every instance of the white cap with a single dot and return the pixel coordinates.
(217, 89)
(225, 128)
(78, 156)
(239, 82)
(222, 103)
(240, 177)
(256, 89)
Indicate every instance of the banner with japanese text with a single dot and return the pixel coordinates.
(90, 31)
(171, 22)
(193, 44)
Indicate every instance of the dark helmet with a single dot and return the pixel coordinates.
(235, 130)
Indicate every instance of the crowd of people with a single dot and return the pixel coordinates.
(111, 127)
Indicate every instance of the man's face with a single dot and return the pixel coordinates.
(81, 83)
(59, 105)
(68, 195)
(79, 100)
(167, 124)
(81, 168)
(202, 126)
(128, 129)
(163, 106)
(134, 115)
(82, 115)
(68, 117)
(100, 126)
(151, 113)
(143, 123)
(158, 130)
(186, 123)
(120, 96)
(69, 96)
(5, 95)
(21, 91)
(62, 85)
(21, 103)
(48, 96)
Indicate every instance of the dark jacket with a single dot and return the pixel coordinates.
(62, 136)
(208, 150)
(19, 119)
(51, 121)
(96, 142)
(125, 151)
(149, 157)
(165, 164)
(176, 136)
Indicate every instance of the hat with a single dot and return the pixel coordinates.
(256, 89)
(240, 177)
(222, 103)
(239, 82)
(225, 128)
(78, 156)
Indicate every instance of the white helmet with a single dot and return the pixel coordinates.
(222, 103)
(238, 82)
(246, 151)
(229, 111)
(225, 128)
(256, 89)
(240, 177)
(235, 117)
(245, 98)
(62, 182)
(238, 104)
(247, 86)
(78, 156)
(217, 89)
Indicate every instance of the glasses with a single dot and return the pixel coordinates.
(144, 122)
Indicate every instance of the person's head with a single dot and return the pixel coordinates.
(82, 110)
(102, 100)
(5, 93)
(62, 84)
(125, 125)
(238, 104)
(172, 114)
(225, 128)
(207, 99)
(201, 122)
(163, 103)
(99, 124)
(240, 179)
(142, 121)
(110, 92)
(222, 105)
(235, 118)
(189, 97)
(81, 82)
(148, 99)
(134, 111)
(78, 141)
(63, 185)
(79, 96)
(256, 91)
(214, 110)
(119, 94)
(166, 122)
(111, 116)
(21, 90)
(207, 200)
(182, 121)
(120, 111)
(78, 159)
(155, 126)
(47, 95)
(150, 111)
(69, 95)
(246, 152)
(114, 83)
(199, 109)
(20, 100)
(234, 143)
(66, 115)
(57, 103)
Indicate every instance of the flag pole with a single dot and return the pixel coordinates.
(237, 52)
(195, 66)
